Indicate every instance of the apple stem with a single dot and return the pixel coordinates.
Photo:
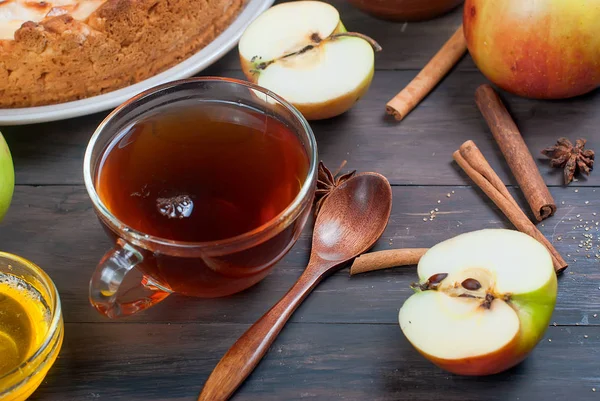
(376, 46)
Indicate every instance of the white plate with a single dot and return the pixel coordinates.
(196, 63)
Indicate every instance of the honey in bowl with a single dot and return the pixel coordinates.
(24, 321)
(31, 327)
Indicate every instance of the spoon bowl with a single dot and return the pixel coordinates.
(340, 235)
(351, 220)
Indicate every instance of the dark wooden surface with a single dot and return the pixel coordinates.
(344, 342)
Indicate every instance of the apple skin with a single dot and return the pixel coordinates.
(320, 111)
(7, 177)
(337, 106)
(536, 49)
(534, 311)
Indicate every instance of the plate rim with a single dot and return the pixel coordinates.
(194, 64)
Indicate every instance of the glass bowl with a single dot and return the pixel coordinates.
(20, 382)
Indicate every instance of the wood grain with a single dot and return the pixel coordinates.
(55, 227)
(418, 151)
(343, 342)
(405, 45)
(474, 164)
(429, 76)
(145, 361)
(352, 218)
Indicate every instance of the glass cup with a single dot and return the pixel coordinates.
(23, 380)
(211, 269)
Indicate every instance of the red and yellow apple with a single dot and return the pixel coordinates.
(537, 49)
(483, 301)
(7, 177)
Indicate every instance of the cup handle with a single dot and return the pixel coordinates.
(105, 290)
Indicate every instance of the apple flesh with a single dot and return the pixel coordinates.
(302, 52)
(7, 177)
(483, 301)
(537, 49)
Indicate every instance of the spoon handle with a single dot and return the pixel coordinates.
(246, 353)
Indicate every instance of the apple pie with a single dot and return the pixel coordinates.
(54, 51)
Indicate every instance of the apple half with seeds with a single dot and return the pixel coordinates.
(483, 302)
(301, 51)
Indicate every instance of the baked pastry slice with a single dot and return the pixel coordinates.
(56, 51)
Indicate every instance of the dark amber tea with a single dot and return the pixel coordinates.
(201, 173)
(204, 172)
(202, 185)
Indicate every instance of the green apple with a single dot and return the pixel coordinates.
(7, 177)
(483, 301)
(302, 52)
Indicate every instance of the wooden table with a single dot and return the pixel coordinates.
(344, 342)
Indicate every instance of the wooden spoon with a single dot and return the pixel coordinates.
(349, 223)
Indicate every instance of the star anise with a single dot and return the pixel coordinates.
(327, 182)
(572, 158)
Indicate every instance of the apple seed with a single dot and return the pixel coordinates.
(471, 284)
(437, 278)
(432, 282)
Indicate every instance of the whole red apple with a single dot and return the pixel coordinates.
(546, 49)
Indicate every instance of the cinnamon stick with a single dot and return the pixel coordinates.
(515, 152)
(369, 262)
(472, 161)
(429, 76)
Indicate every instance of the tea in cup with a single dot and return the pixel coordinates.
(203, 185)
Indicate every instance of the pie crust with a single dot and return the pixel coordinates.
(83, 48)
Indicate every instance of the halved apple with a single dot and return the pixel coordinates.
(302, 52)
(483, 302)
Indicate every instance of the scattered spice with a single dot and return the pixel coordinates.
(327, 182)
(572, 158)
